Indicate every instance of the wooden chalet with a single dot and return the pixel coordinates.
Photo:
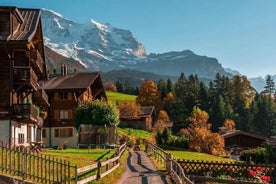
(66, 92)
(144, 120)
(237, 140)
(22, 67)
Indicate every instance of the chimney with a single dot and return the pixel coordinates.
(63, 69)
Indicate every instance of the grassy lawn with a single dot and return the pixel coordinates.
(81, 157)
(142, 134)
(188, 155)
(117, 97)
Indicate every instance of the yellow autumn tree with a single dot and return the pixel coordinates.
(229, 124)
(128, 110)
(149, 95)
(200, 135)
(109, 86)
(161, 121)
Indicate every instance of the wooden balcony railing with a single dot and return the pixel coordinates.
(25, 111)
(41, 97)
(25, 76)
(36, 61)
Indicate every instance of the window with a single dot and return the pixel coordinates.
(21, 58)
(63, 114)
(63, 95)
(20, 138)
(63, 132)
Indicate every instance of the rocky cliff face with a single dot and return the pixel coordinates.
(94, 45)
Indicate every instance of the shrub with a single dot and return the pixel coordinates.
(256, 155)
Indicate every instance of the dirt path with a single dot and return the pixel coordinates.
(140, 170)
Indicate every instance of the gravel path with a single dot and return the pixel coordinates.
(140, 170)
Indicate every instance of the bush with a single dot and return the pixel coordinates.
(167, 139)
(256, 155)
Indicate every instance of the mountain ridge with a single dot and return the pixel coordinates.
(100, 47)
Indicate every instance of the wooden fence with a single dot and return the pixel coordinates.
(101, 168)
(25, 165)
(171, 166)
(209, 171)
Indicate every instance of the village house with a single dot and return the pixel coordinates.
(144, 120)
(236, 141)
(22, 100)
(66, 92)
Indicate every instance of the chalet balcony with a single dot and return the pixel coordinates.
(41, 97)
(36, 61)
(25, 77)
(24, 112)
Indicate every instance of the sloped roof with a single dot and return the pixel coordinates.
(28, 27)
(71, 81)
(239, 132)
(146, 111)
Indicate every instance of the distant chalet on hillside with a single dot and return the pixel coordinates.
(144, 120)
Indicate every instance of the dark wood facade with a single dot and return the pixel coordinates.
(66, 92)
(239, 140)
(144, 119)
(22, 67)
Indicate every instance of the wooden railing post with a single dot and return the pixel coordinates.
(76, 174)
(99, 170)
(169, 162)
(106, 167)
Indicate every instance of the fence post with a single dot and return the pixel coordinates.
(99, 170)
(23, 164)
(76, 174)
(106, 167)
(169, 162)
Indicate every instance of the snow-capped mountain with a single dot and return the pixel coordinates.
(96, 46)
(101, 47)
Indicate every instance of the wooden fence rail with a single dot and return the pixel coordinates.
(204, 170)
(25, 165)
(22, 163)
(171, 166)
(97, 169)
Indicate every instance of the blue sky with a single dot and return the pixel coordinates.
(241, 34)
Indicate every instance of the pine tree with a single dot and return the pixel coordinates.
(270, 86)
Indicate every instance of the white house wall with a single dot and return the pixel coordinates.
(22, 129)
(71, 142)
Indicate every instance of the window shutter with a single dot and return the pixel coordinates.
(56, 114)
(56, 132)
(56, 96)
(70, 114)
(69, 96)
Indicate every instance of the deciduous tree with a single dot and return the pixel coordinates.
(109, 86)
(128, 110)
(161, 121)
(96, 113)
(201, 137)
(149, 95)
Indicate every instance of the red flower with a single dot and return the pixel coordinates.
(265, 178)
(259, 169)
(252, 173)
